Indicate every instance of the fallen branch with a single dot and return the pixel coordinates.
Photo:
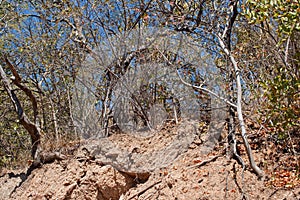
(204, 162)
(144, 190)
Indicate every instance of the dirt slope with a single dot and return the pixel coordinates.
(89, 177)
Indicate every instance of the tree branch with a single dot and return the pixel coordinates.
(208, 91)
(199, 87)
(17, 81)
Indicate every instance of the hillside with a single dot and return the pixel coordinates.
(168, 164)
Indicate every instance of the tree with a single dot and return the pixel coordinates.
(212, 24)
(31, 127)
(47, 42)
(276, 26)
(30, 48)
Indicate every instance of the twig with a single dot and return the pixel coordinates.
(144, 190)
(204, 162)
(226, 191)
(286, 52)
(206, 90)
(273, 193)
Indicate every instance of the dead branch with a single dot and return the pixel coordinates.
(144, 190)
(204, 162)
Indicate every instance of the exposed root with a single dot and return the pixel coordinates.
(241, 162)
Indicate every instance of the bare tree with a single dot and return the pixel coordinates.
(212, 24)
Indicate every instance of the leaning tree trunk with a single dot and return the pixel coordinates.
(24, 120)
(225, 42)
(239, 111)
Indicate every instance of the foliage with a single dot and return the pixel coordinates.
(275, 60)
(283, 106)
(14, 141)
(284, 14)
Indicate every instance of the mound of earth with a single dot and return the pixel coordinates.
(169, 164)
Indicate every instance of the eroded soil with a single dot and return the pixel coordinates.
(80, 177)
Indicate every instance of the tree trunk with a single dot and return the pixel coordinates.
(225, 43)
(256, 169)
(26, 123)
